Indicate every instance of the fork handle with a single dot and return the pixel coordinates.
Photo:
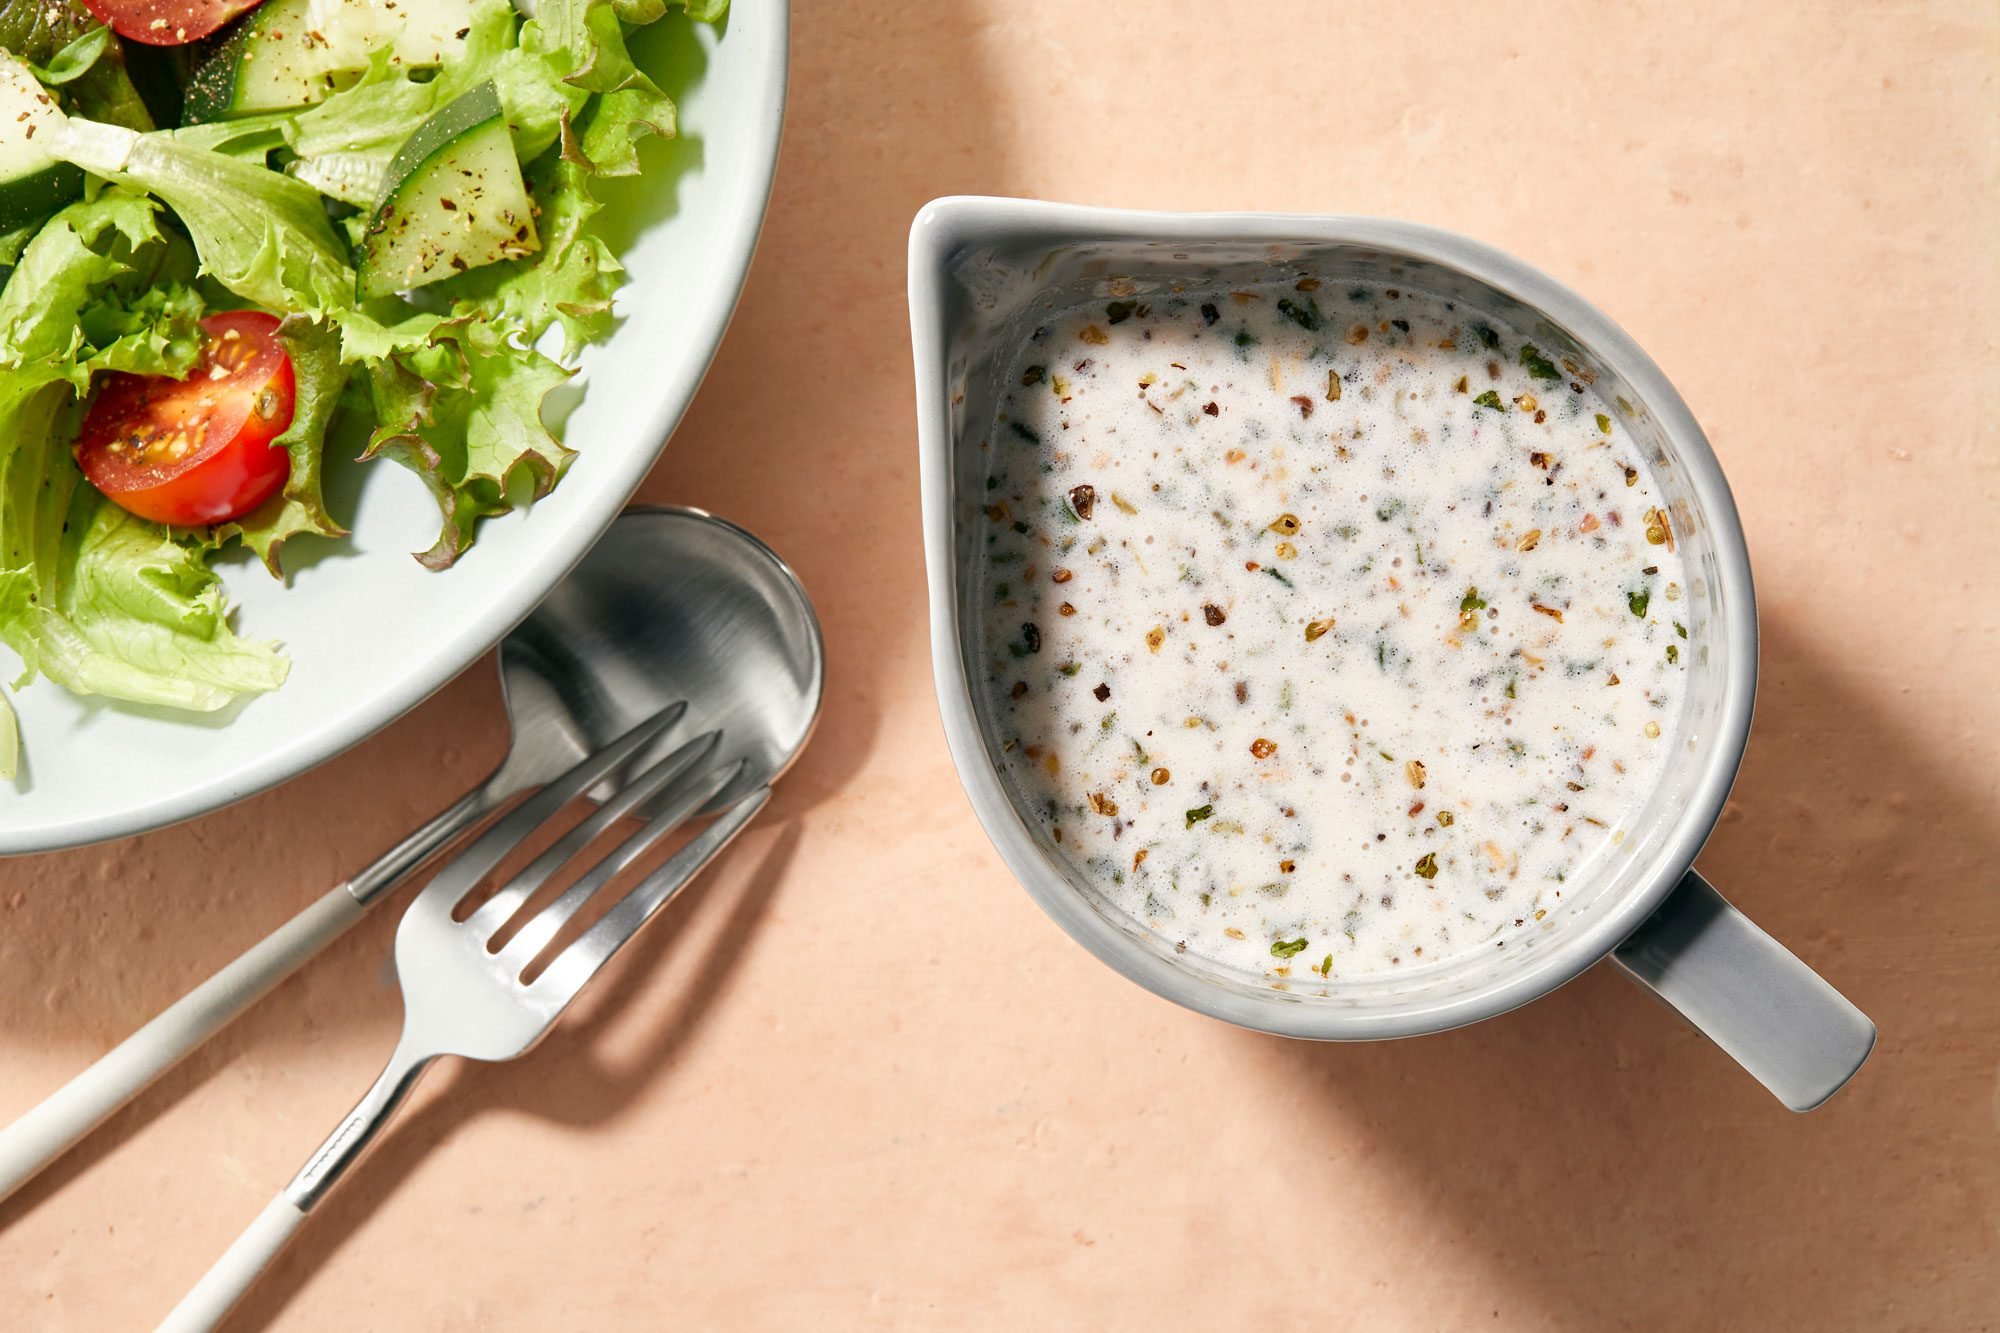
(245, 1261)
(236, 1271)
(79, 1106)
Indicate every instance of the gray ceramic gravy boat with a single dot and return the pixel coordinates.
(984, 272)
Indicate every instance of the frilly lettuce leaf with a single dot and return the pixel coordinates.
(139, 615)
(260, 233)
(462, 410)
(299, 508)
(91, 597)
(629, 105)
(704, 11)
(84, 256)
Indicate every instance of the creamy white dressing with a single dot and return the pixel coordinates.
(1326, 630)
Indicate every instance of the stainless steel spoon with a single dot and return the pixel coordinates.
(672, 606)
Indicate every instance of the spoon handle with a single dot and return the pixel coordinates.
(399, 862)
(51, 1128)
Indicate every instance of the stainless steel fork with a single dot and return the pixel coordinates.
(463, 992)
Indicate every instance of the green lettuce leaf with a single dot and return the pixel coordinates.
(36, 30)
(77, 256)
(93, 598)
(12, 243)
(344, 145)
(251, 137)
(629, 105)
(73, 61)
(260, 233)
(299, 508)
(464, 412)
(139, 615)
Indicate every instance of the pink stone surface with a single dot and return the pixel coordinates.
(858, 1081)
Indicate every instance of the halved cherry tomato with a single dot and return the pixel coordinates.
(197, 450)
(167, 22)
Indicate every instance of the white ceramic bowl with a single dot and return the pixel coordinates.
(984, 272)
(369, 631)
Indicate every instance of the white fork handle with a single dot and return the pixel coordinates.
(79, 1106)
(245, 1261)
(236, 1271)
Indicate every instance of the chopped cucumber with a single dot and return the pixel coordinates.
(291, 53)
(455, 201)
(32, 184)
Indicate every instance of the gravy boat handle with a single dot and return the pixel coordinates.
(1749, 994)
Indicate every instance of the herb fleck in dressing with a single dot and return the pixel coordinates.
(1326, 632)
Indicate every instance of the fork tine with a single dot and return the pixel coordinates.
(496, 911)
(486, 851)
(579, 962)
(533, 937)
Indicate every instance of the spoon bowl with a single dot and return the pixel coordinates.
(674, 606)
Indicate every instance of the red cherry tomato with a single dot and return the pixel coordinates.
(196, 451)
(167, 22)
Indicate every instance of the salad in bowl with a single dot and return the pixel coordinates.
(228, 227)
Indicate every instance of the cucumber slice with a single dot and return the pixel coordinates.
(32, 184)
(454, 201)
(292, 53)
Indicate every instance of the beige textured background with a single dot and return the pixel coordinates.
(861, 1082)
